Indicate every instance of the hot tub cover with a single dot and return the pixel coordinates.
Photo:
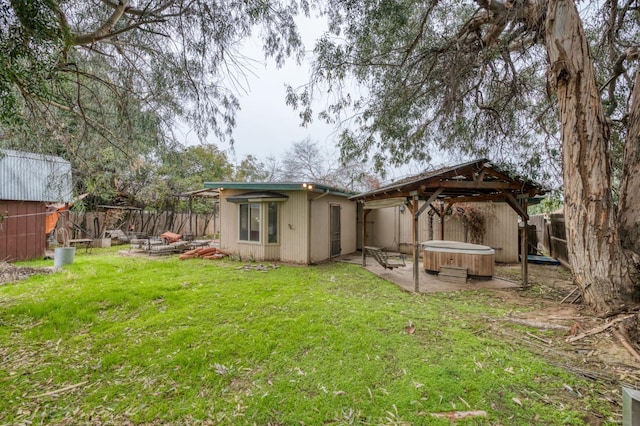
(456, 246)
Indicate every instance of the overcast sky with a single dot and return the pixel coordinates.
(265, 125)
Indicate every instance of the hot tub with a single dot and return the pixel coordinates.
(479, 260)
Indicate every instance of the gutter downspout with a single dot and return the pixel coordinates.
(325, 193)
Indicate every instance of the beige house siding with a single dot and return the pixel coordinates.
(303, 228)
(320, 225)
(348, 229)
(293, 228)
(391, 228)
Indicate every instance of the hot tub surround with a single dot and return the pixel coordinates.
(479, 260)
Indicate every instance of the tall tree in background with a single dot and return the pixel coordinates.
(103, 83)
(177, 59)
(252, 169)
(176, 172)
(307, 161)
(512, 80)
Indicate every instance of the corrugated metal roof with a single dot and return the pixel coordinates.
(25, 176)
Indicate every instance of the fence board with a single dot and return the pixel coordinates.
(94, 224)
(558, 238)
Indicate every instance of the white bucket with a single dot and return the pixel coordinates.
(63, 256)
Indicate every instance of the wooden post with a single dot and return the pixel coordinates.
(442, 214)
(416, 252)
(365, 213)
(190, 214)
(67, 225)
(525, 246)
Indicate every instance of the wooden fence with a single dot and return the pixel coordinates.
(551, 235)
(95, 224)
(558, 238)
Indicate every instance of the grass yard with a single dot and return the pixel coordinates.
(136, 340)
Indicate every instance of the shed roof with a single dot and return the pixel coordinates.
(280, 186)
(27, 176)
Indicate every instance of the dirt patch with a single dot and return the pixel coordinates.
(554, 316)
(10, 273)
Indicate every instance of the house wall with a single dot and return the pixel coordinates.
(22, 230)
(304, 221)
(320, 226)
(229, 227)
(294, 219)
(391, 228)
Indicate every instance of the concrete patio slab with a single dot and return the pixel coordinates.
(429, 283)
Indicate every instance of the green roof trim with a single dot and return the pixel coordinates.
(280, 186)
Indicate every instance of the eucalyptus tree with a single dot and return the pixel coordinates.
(526, 82)
(105, 157)
(105, 83)
(173, 58)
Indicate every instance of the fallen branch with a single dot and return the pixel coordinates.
(459, 415)
(543, 325)
(620, 335)
(57, 391)
(548, 342)
(260, 268)
(598, 329)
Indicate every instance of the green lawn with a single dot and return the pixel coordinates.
(115, 339)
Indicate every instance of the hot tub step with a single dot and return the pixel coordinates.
(453, 274)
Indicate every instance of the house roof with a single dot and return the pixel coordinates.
(279, 186)
(474, 181)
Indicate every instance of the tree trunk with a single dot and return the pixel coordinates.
(629, 205)
(600, 269)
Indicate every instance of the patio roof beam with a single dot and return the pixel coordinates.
(515, 205)
(467, 184)
(430, 200)
(475, 198)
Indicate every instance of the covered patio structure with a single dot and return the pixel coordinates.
(439, 190)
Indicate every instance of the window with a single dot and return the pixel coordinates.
(272, 221)
(250, 222)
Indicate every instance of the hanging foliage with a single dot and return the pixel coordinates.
(474, 221)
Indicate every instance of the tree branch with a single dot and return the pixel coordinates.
(423, 23)
(105, 28)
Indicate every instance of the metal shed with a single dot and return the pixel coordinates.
(28, 182)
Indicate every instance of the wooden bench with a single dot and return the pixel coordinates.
(87, 242)
(386, 260)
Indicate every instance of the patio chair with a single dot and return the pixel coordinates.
(386, 260)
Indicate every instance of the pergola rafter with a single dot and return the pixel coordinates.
(475, 181)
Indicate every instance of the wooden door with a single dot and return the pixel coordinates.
(336, 248)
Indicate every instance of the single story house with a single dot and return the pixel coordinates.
(28, 182)
(295, 222)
